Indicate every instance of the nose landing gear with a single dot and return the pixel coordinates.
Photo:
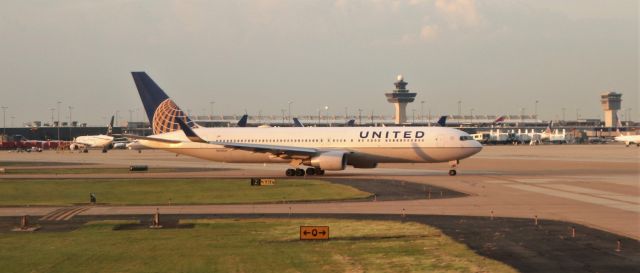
(454, 165)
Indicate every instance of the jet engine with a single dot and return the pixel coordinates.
(331, 161)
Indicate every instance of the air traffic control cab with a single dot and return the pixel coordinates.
(611, 103)
(400, 97)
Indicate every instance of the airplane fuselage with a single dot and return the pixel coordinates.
(94, 141)
(629, 139)
(366, 146)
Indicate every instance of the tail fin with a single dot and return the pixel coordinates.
(499, 119)
(161, 110)
(297, 123)
(548, 130)
(351, 123)
(110, 128)
(243, 121)
(442, 121)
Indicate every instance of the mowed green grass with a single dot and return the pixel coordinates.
(164, 191)
(253, 245)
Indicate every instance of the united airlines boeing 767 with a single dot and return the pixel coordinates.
(318, 148)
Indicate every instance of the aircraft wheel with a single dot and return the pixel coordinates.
(319, 171)
(290, 172)
(311, 171)
(452, 172)
(104, 150)
(299, 172)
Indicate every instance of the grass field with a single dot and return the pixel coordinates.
(163, 191)
(95, 170)
(4, 164)
(255, 245)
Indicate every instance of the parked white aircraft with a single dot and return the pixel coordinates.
(629, 139)
(318, 148)
(103, 142)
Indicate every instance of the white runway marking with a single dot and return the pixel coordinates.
(599, 193)
(579, 197)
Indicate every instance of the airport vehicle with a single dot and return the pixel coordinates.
(318, 148)
(628, 139)
(104, 142)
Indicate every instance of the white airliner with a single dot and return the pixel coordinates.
(103, 142)
(320, 149)
(629, 139)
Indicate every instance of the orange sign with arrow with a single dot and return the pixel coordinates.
(314, 232)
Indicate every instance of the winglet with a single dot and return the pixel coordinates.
(191, 135)
(243, 121)
(442, 121)
(297, 123)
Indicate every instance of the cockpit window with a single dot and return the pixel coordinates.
(463, 138)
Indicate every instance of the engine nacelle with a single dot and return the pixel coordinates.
(73, 147)
(331, 161)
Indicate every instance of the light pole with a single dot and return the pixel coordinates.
(4, 121)
(283, 111)
(346, 113)
(211, 103)
(459, 108)
(70, 119)
(360, 117)
(371, 117)
(577, 114)
(12, 118)
(471, 114)
(59, 102)
(290, 102)
(564, 111)
(52, 110)
(326, 113)
(522, 114)
(535, 111)
(131, 115)
(421, 111)
(628, 117)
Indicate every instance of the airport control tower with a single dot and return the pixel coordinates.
(611, 102)
(400, 97)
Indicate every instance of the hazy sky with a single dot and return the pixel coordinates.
(497, 56)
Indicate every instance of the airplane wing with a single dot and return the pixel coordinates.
(149, 138)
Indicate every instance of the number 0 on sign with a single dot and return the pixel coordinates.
(314, 232)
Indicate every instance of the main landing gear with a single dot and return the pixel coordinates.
(453, 164)
(302, 172)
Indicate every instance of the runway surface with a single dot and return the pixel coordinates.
(593, 185)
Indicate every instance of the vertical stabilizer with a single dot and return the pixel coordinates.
(110, 128)
(161, 110)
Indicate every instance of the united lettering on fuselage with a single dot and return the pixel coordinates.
(392, 134)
